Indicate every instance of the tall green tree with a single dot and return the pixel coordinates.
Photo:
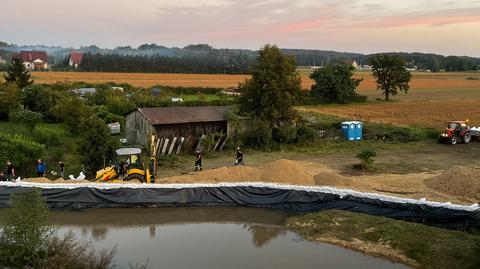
(391, 74)
(26, 117)
(334, 84)
(270, 94)
(18, 74)
(10, 99)
(95, 144)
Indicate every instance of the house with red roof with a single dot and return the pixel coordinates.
(75, 59)
(34, 59)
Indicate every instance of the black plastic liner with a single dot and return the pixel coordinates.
(249, 196)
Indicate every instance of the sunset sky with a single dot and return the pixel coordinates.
(366, 26)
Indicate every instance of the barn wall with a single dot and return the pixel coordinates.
(138, 129)
(187, 129)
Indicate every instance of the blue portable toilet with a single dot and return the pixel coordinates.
(358, 130)
(348, 129)
(352, 130)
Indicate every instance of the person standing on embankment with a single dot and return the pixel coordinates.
(40, 167)
(239, 158)
(61, 167)
(198, 161)
(10, 170)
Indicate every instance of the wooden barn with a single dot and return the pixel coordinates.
(182, 126)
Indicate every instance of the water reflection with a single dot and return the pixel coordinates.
(234, 238)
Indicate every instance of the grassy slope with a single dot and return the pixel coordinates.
(430, 247)
(65, 151)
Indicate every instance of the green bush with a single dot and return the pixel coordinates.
(285, 134)
(25, 232)
(390, 133)
(366, 156)
(306, 133)
(259, 135)
(19, 149)
(47, 136)
(28, 241)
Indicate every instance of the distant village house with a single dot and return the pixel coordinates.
(75, 59)
(34, 59)
(351, 62)
(2, 61)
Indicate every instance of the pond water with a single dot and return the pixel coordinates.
(206, 238)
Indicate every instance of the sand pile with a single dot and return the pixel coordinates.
(458, 181)
(281, 171)
(58, 180)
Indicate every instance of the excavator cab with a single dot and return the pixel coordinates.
(129, 166)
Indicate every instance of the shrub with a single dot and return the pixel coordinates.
(285, 134)
(306, 133)
(390, 133)
(259, 135)
(47, 136)
(25, 232)
(366, 156)
(28, 241)
(19, 149)
(26, 117)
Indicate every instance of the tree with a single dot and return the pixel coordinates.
(390, 73)
(26, 117)
(18, 74)
(95, 144)
(270, 94)
(10, 99)
(39, 98)
(334, 84)
(25, 230)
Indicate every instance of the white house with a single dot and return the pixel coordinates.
(34, 59)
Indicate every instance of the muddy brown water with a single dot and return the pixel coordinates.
(206, 238)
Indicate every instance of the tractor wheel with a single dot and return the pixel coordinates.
(453, 140)
(467, 138)
(135, 176)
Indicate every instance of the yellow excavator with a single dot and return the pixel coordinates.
(129, 166)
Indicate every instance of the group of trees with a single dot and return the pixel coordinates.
(210, 63)
(268, 97)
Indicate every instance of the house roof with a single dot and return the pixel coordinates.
(176, 115)
(30, 56)
(76, 57)
(348, 61)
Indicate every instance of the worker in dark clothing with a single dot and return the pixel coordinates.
(239, 159)
(61, 169)
(10, 170)
(40, 167)
(198, 161)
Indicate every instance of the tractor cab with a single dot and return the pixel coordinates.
(456, 131)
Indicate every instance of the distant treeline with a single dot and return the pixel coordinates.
(210, 64)
(202, 58)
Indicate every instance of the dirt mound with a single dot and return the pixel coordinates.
(37, 180)
(462, 181)
(281, 171)
(58, 180)
(331, 178)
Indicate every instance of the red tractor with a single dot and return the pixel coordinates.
(456, 131)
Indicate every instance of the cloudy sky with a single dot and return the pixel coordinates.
(439, 26)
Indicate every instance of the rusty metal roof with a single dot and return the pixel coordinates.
(176, 115)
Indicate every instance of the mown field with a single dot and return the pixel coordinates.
(433, 99)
